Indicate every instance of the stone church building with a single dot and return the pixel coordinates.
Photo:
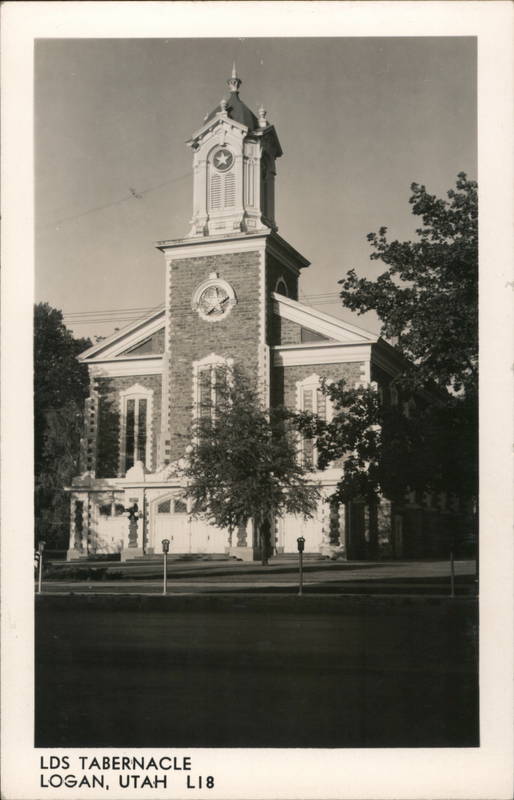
(232, 287)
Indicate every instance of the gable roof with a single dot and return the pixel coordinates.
(323, 324)
(117, 345)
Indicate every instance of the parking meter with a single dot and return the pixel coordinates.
(165, 549)
(301, 545)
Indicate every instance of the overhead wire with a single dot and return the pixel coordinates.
(133, 194)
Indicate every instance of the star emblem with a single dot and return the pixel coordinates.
(223, 160)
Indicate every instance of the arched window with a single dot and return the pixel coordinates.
(310, 397)
(281, 287)
(207, 375)
(136, 415)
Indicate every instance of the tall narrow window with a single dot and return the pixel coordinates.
(208, 376)
(310, 397)
(135, 444)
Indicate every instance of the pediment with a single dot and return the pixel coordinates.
(142, 339)
(319, 326)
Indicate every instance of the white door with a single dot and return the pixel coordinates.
(310, 529)
(207, 538)
(171, 521)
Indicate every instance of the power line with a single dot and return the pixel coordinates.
(133, 195)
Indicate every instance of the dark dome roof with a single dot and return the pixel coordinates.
(237, 111)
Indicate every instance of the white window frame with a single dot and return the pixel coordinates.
(210, 362)
(213, 280)
(282, 282)
(222, 175)
(136, 392)
(311, 383)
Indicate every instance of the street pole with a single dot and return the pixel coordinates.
(41, 547)
(301, 544)
(165, 549)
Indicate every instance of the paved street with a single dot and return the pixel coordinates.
(255, 671)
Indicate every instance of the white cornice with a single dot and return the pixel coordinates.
(214, 122)
(320, 353)
(206, 246)
(126, 338)
(233, 243)
(317, 321)
(126, 367)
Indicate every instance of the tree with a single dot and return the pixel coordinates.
(60, 387)
(243, 464)
(427, 298)
(427, 301)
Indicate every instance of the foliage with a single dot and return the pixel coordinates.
(243, 463)
(107, 452)
(384, 452)
(60, 386)
(427, 300)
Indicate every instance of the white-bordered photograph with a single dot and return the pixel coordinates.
(257, 533)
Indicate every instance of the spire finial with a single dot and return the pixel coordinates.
(234, 82)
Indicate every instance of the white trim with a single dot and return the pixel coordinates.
(126, 368)
(263, 349)
(312, 383)
(209, 361)
(319, 322)
(317, 353)
(281, 280)
(200, 289)
(135, 392)
(207, 127)
(245, 242)
(126, 337)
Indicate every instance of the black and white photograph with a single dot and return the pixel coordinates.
(258, 481)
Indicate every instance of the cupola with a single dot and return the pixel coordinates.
(234, 154)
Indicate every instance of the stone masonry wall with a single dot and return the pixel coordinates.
(109, 417)
(274, 271)
(283, 331)
(192, 338)
(284, 379)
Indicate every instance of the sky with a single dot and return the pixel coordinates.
(359, 119)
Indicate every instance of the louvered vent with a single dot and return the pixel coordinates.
(215, 199)
(230, 189)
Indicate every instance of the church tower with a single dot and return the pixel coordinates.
(234, 168)
(220, 278)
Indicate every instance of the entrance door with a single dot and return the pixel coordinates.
(310, 529)
(171, 521)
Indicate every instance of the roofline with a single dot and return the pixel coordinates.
(212, 122)
(109, 340)
(273, 237)
(368, 337)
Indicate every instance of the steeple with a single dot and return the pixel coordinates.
(234, 82)
(234, 168)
